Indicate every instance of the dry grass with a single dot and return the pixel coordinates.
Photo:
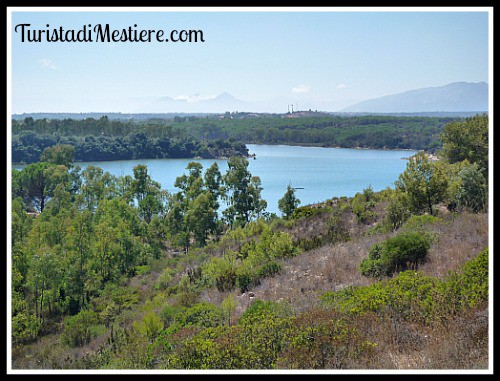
(460, 239)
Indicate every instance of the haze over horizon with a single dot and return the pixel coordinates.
(322, 60)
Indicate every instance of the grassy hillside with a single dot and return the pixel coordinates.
(116, 273)
(157, 319)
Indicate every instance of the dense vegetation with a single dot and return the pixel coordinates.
(116, 273)
(103, 139)
(218, 136)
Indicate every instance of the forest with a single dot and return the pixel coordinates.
(216, 136)
(116, 273)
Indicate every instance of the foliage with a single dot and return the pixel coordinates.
(63, 154)
(308, 211)
(31, 185)
(209, 137)
(473, 191)
(150, 326)
(78, 329)
(466, 288)
(420, 224)
(424, 182)
(75, 267)
(467, 140)
(397, 211)
(415, 296)
(289, 202)
(320, 339)
(399, 253)
(253, 260)
(203, 315)
(362, 206)
(242, 192)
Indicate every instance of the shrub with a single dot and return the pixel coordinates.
(362, 205)
(150, 325)
(337, 230)
(201, 315)
(372, 266)
(78, 329)
(402, 252)
(405, 251)
(308, 211)
(467, 287)
(420, 223)
(397, 211)
(246, 278)
(269, 269)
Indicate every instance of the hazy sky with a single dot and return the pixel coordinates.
(326, 54)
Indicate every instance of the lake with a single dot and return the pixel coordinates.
(319, 173)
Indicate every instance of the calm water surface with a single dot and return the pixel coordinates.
(320, 173)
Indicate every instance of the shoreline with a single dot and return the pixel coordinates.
(254, 155)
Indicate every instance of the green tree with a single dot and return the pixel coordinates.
(79, 243)
(97, 185)
(243, 192)
(56, 175)
(201, 217)
(194, 209)
(467, 139)
(191, 185)
(148, 193)
(397, 210)
(473, 192)
(44, 276)
(63, 154)
(424, 182)
(115, 248)
(34, 181)
(288, 203)
(213, 181)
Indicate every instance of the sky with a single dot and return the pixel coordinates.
(332, 57)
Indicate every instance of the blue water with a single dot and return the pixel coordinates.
(322, 172)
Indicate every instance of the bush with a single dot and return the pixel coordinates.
(397, 211)
(246, 280)
(362, 205)
(307, 211)
(405, 251)
(269, 269)
(78, 329)
(420, 223)
(337, 230)
(402, 252)
(372, 266)
(203, 315)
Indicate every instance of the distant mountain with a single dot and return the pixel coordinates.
(196, 104)
(454, 97)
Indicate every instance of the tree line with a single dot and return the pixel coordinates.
(104, 140)
(218, 136)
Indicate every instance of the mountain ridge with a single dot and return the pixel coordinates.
(453, 97)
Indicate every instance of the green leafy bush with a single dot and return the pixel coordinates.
(202, 314)
(362, 205)
(78, 329)
(403, 251)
